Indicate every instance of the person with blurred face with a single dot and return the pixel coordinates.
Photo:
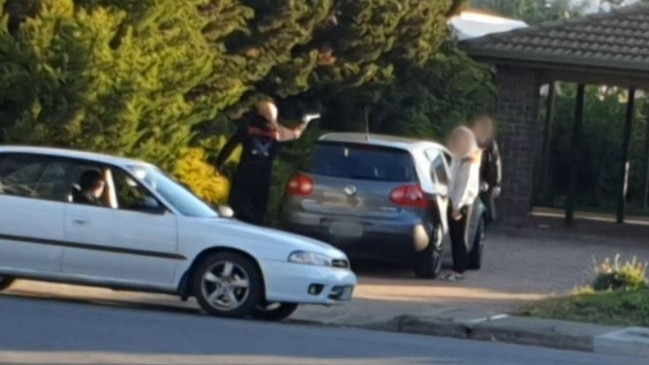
(260, 136)
(490, 168)
(463, 190)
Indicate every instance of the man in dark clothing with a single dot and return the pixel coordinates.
(91, 188)
(260, 136)
(490, 167)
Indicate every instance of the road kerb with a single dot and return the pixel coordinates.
(632, 341)
(528, 331)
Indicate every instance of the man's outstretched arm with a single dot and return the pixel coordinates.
(232, 143)
(291, 134)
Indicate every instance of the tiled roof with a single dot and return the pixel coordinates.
(616, 40)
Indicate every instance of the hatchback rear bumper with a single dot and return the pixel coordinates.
(385, 240)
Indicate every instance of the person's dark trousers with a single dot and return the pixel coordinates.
(458, 234)
(490, 206)
(249, 200)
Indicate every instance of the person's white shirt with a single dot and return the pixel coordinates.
(465, 175)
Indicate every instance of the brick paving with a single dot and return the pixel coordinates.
(516, 270)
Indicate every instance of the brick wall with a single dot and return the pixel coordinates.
(519, 135)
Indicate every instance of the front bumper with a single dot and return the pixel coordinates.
(307, 284)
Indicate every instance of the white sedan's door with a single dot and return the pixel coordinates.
(31, 235)
(121, 244)
(32, 208)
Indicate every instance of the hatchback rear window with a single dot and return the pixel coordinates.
(362, 162)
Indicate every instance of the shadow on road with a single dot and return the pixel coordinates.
(65, 332)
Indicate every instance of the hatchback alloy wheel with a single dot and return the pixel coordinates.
(428, 263)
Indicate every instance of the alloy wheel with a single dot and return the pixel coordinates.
(225, 285)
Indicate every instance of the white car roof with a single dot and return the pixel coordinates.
(67, 153)
(408, 144)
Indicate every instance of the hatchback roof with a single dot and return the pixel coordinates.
(409, 144)
(67, 153)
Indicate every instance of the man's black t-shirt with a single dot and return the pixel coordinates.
(260, 146)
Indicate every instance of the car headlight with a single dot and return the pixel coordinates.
(309, 258)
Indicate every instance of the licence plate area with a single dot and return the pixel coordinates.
(347, 293)
(346, 229)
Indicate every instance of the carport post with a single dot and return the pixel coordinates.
(626, 150)
(645, 202)
(547, 135)
(575, 141)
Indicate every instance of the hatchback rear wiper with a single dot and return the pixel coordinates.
(364, 177)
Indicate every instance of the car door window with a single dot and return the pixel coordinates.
(131, 195)
(34, 176)
(89, 185)
(438, 166)
(53, 182)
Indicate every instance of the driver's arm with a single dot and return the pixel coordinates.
(109, 193)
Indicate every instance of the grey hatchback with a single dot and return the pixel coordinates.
(379, 197)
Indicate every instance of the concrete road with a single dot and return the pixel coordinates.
(43, 331)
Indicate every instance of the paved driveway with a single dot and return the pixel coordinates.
(516, 270)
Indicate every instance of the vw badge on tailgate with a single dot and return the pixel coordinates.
(350, 190)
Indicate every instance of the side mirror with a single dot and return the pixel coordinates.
(224, 211)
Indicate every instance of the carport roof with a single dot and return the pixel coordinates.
(618, 40)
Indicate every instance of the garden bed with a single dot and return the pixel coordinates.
(618, 308)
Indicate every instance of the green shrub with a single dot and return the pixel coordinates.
(630, 275)
(103, 78)
(615, 308)
(194, 170)
(619, 296)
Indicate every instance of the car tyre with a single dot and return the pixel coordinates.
(428, 263)
(5, 282)
(228, 284)
(477, 251)
(274, 311)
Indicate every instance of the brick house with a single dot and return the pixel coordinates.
(601, 49)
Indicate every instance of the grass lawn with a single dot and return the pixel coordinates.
(623, 308)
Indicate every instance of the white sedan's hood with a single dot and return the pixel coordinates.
(265, 242)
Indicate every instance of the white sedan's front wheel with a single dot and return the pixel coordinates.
(5, 282)
(228, 285)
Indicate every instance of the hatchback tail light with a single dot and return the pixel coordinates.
(300, 185)
(409, 196)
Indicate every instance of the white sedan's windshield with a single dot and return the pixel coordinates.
(175, 194)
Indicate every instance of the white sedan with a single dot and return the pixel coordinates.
(84, 218)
